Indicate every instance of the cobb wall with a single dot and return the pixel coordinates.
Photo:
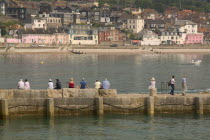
(90, 101)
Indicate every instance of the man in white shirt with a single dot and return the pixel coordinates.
(21, 84)
(50, 84)
(172, 85)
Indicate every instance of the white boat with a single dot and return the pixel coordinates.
(196, 61)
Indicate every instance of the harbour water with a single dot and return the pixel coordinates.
(128, 73)
(115, 127)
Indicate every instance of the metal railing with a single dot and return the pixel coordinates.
(164, 88)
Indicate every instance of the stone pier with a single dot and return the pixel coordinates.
(4, 112)
(92, 101)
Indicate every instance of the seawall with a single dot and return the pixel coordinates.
(25, 48)
(89, 101)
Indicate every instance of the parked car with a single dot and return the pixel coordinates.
(114, 45)
(42, 45)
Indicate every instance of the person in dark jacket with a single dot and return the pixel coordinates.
(58, 84)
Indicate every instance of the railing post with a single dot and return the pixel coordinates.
(150, 105)
(99, 106)
(4, 110)
(50, 107)
(199, 105)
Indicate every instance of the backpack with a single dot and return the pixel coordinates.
(169, 83)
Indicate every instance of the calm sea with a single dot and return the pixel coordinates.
(126, 73)
(107, 127)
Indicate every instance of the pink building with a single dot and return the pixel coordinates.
(13, 40)
(194, 38)
(44, 36)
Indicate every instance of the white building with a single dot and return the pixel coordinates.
(170, 38)
(186, 26)
(133, 23)
(149, 38)
(39, 23)
(83, 34)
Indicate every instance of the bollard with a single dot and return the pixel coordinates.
(99, 106)
(4, 108)
(199, 105)
(153, 92)
(150, 105)
(50, 107)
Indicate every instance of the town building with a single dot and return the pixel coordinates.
(186, 26)
(45, 7)
(11, 8)
(67, 18)
(83, 34)
(3, 6)
(194, 38)
(39, 23)
(148, 37)
(132, 22)
(109, 35)
(171, 37)
(53, 22)
(44, 36)
(189, 32)
(155, 25)
(105, 16)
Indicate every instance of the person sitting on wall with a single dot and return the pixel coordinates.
(71, 83)
(27, 84)
(152, 83)
(106, 84)
(21, 84)
(50, 84)
(58, 84)
(83, 84)
(98, 84)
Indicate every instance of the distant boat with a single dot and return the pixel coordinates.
(196, 61)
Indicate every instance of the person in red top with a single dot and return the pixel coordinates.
(71, 83)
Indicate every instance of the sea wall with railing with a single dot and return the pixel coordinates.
(92, 101)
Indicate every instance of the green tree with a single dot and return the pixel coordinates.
(146, 4)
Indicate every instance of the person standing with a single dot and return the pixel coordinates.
(21, 84)
(83, 84)
(106, 84)
(27, 84)
(184, 85)
(58, 84)
(97, 84)
(172, 82)
(50, 84)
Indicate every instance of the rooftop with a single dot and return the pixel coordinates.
(183, 23)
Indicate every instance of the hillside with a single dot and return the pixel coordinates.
(161, 5)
